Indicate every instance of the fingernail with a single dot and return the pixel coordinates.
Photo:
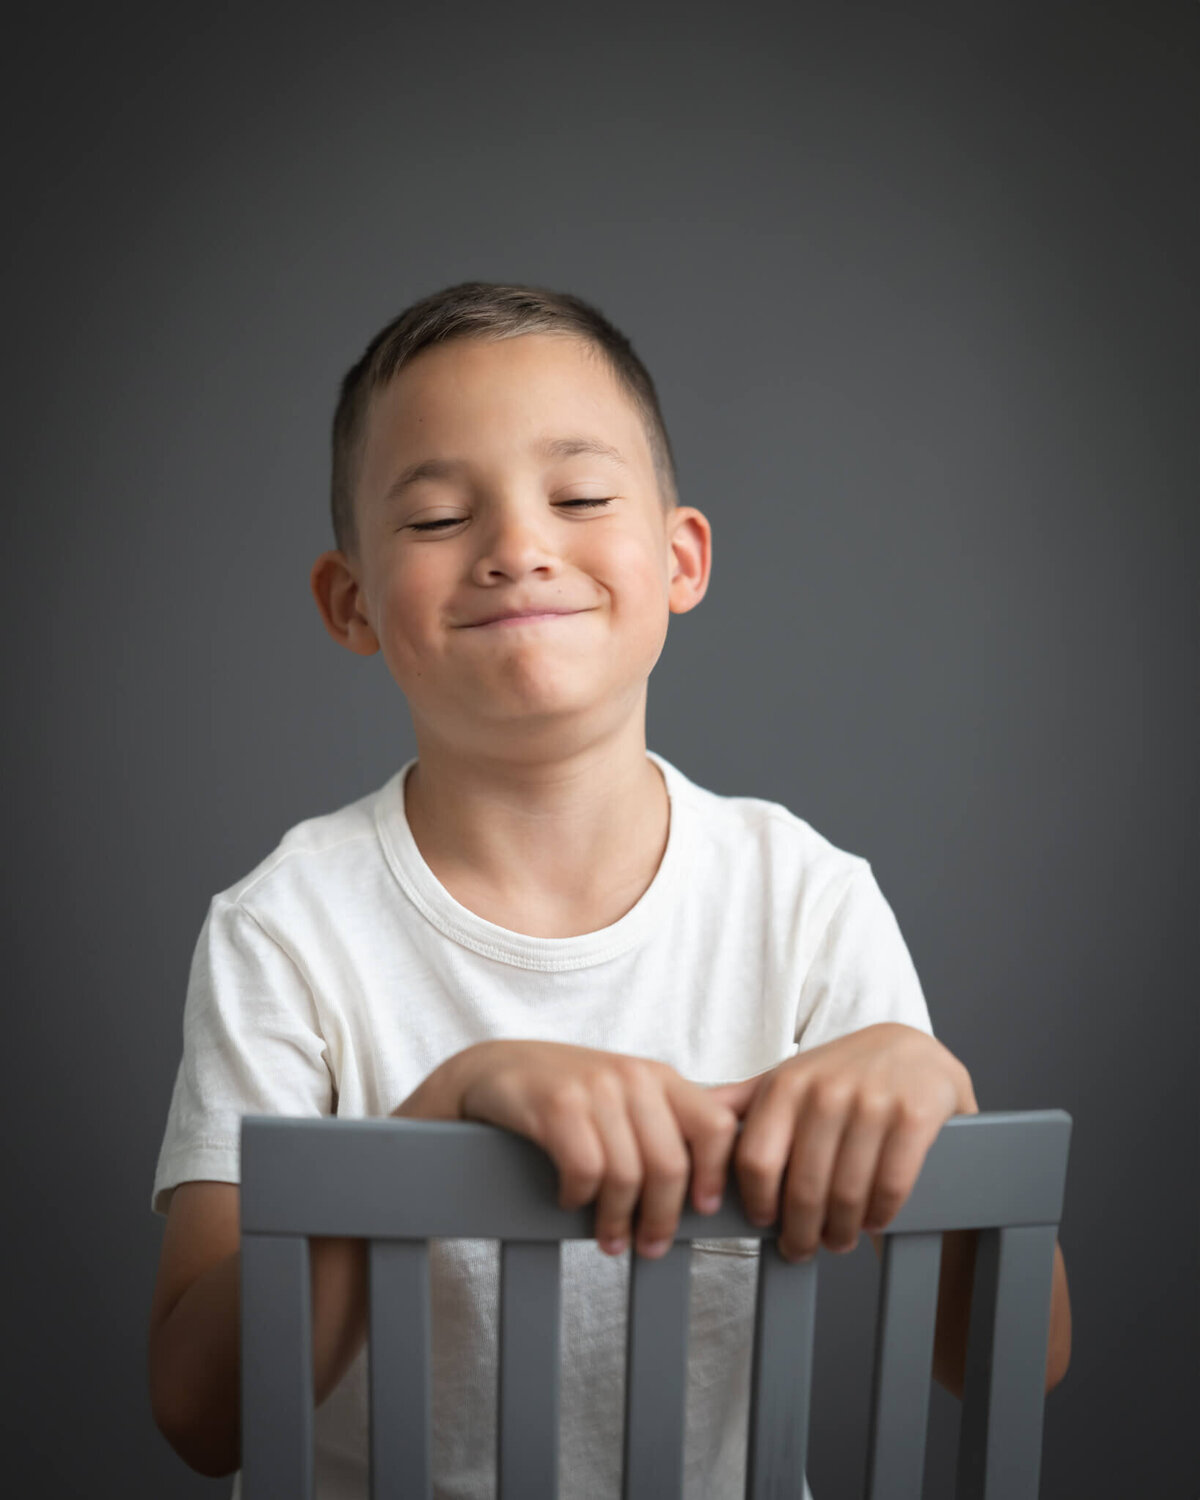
(761, 1219)
(655, 1248)
(708, 1203)
(613, 1246)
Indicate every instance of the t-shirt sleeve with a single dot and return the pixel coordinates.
(862, 972)
(251, 1045)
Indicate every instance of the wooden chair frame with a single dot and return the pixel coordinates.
(1002, 1173)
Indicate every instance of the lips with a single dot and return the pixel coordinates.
(524, 616)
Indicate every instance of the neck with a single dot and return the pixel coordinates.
(579, 834)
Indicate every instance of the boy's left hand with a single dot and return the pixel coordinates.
(844, 1129)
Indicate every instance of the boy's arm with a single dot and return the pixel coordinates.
(954, 1312)
(195, 1332)
(194, 1349)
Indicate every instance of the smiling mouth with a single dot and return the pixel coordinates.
(526, 620)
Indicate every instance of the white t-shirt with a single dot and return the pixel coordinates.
(340, 972)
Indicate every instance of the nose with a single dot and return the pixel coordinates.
(513, 546)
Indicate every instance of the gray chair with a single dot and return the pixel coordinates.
(1003, 1174)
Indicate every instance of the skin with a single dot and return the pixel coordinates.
(531, 738)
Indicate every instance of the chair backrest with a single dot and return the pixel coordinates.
(1002, 1174)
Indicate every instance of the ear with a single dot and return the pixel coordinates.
(336, 589)
(690, 538)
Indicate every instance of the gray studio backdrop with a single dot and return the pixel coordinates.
(918, 289)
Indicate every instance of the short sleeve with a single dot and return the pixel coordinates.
(251, 1045)
(862, 972)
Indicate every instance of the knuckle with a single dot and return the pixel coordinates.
(893, 1186)
(874, 1104)
(916, 1114)
(623, 1180)
(844, 1200)
(804, 1193)
(577, 1189)
(583, 1159)
(830, 1096)
(887, 1202)
(565, 1096)
(636, 1072)
(580, 1164)
(722, 1123)
(667, 1164)
(608, 1086)
(757, 1169)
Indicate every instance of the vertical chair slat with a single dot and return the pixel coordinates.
(655, 1374)
(399, 1370)
(276, 1367)
(1000, 1438)
(527, 1428)
(903, 1367)
(780, 1376)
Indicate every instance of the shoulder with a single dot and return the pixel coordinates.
(736, 831)
(315, 861)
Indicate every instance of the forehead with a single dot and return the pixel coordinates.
(498, 401)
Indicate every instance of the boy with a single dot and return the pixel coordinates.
(539, 923)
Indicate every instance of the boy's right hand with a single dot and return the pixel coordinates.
(618, 1128)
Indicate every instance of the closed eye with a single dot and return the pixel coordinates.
(453, 521)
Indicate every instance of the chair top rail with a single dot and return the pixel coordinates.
(387, 1178)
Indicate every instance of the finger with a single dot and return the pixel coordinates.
(854, 1172)
(900, 1161)
(665, 1167)
(623, 1169)
(566, 1132)
(762, 1150)
(814, 1150)
(710, 1130)
(737, 1096)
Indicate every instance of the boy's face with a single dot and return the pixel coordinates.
(489, 527)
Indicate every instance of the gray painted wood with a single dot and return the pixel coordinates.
(780, 1377)
(398, 1371)
(903, 1366)
(656, 1374)
(527, 1424)
(390, 1180)
(982, 1170)
(276, 1368)
(1000, 1436)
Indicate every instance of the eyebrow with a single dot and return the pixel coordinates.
(554, 448)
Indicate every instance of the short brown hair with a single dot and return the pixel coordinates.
(489, 310)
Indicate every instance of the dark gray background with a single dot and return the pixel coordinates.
(918, 288)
